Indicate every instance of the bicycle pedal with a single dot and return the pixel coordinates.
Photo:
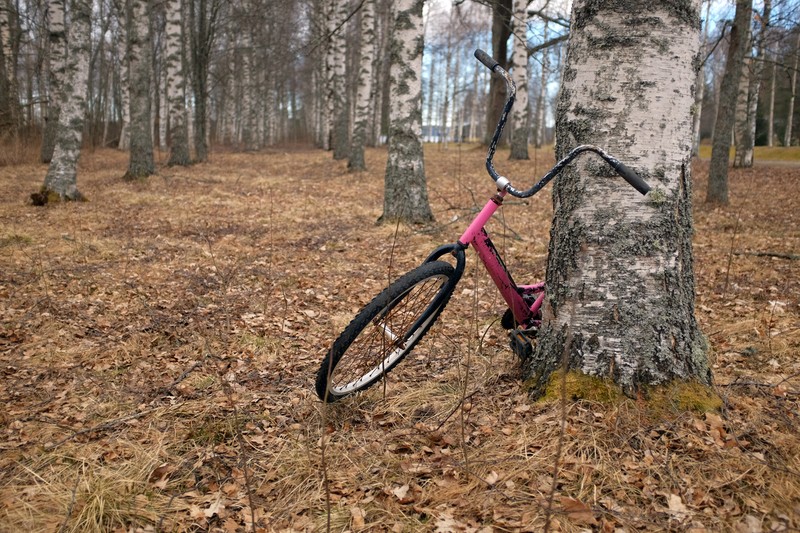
(521, 343)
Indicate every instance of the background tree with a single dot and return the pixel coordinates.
(720, 152)
(61, 180)
(747, 134)
(501, 31)
(176, 86)
(619, 273)
(56, 62)
(519, 71)
(787, 136)
(406, 192)
(364, 94)
(202, 22)
(340, 110)
(10, 40)
(141, 163)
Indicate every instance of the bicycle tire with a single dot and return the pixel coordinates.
(385, 330)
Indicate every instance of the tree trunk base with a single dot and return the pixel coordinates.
(659, 401)
(48, 196)
(136, 176)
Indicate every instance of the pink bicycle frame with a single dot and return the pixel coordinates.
(524, 313)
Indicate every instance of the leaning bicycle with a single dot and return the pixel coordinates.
(385, 330)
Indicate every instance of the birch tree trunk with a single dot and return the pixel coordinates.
(56, 59)
(541, 100)
(700, 86)
(141, 163)
(249, 110)
(723, 127)
(326, 120)
(363, 100)
(787, 135)
(619, 274)
(519, 72)
(341, 113)
(406, 192)
(176, 86)
(745, 158)
(10, 39)
(61, 181)
(771, 117)
(124, 78)
(740, 130)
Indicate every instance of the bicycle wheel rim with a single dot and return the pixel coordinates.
(386, 345)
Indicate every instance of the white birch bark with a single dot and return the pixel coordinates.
(249, 114)
(541, 98)
(771, 117)
(56, 57)
(61, 182)
(700, 86)
(341, 122)
(405, 191)
(163, 105)
(124, 78)
(519, 73)
(754, 90)
(328, 104)
(364, 93)
(740, 130)
(176, 85)
(619, 275)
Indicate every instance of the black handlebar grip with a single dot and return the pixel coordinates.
(486, 59)
(632, 177)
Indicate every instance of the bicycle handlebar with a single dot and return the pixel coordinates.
(502, 182)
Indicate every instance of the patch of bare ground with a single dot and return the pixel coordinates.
(159, 343)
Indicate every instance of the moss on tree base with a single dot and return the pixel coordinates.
(659, 401)
(47, 196)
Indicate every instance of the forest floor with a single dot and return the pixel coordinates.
(158, 347)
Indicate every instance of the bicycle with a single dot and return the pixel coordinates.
(385, 330)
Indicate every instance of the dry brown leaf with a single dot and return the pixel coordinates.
(578, 512)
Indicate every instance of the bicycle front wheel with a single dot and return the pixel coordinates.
(385, 330)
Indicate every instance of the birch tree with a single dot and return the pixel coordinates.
(10, 37)
(619, 273)
(720, 150)
(124, 76)
(700, 85)
(341, 122)
(519, 72)
(745, 146)
(61, 180)
(141, 163)
(202, 23)
(406, 193)
(363, 97)
(56, 61)
(787, 135)
(176, 86)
